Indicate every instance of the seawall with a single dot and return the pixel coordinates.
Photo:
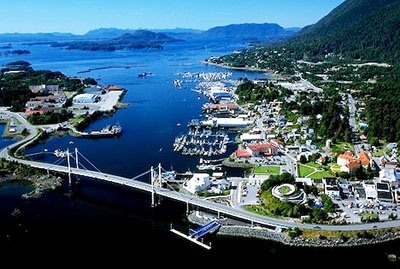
(282, 237)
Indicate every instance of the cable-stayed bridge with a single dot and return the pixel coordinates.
(152, 185)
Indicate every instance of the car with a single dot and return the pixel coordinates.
(317, 227)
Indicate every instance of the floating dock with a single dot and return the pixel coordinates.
(194, 240)
(194, 235)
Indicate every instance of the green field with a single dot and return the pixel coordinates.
(267, 170)
(313, 171)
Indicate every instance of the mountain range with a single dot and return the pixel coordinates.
(246, 31)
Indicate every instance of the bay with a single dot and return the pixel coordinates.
(98, 222)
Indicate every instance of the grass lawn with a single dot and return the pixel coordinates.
(269, 170)
(320, 174)
(312, 170)
(342, 147)
(304, 170)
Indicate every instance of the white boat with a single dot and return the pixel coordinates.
(59, 153)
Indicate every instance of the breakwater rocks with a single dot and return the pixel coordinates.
(282, 237)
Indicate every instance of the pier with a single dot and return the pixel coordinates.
(191, 239)
(196, 234)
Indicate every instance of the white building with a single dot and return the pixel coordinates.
(370, 189)
(198, 182)
(85, 98)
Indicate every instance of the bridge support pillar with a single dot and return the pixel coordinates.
(69, 169)
(153, 199)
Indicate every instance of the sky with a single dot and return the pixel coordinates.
(80, 16)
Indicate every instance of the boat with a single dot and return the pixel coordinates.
(144, 74)
(60, 153)
(177, 83)
(108, 131)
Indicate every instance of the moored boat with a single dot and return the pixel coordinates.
(108, 131)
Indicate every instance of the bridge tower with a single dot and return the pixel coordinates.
(153, 203)
(152, 181)
(76, 158)
(69, 169)
(77, 163)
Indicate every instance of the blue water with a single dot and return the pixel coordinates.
(98, 222)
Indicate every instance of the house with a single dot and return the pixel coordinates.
(198, 182)
(347, 162)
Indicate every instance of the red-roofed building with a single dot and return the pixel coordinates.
(277, 143)
(242, 153)
(258, 150)
(350, 167)
(364, 158)
(345, 158)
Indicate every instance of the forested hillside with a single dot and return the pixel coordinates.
(365, 30)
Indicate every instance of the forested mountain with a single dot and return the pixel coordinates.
(357, 29)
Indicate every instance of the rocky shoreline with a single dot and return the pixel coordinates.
(41, 184)
(281, 237)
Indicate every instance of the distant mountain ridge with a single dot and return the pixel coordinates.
(246, 31)
(133, 40)
(261, 32)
